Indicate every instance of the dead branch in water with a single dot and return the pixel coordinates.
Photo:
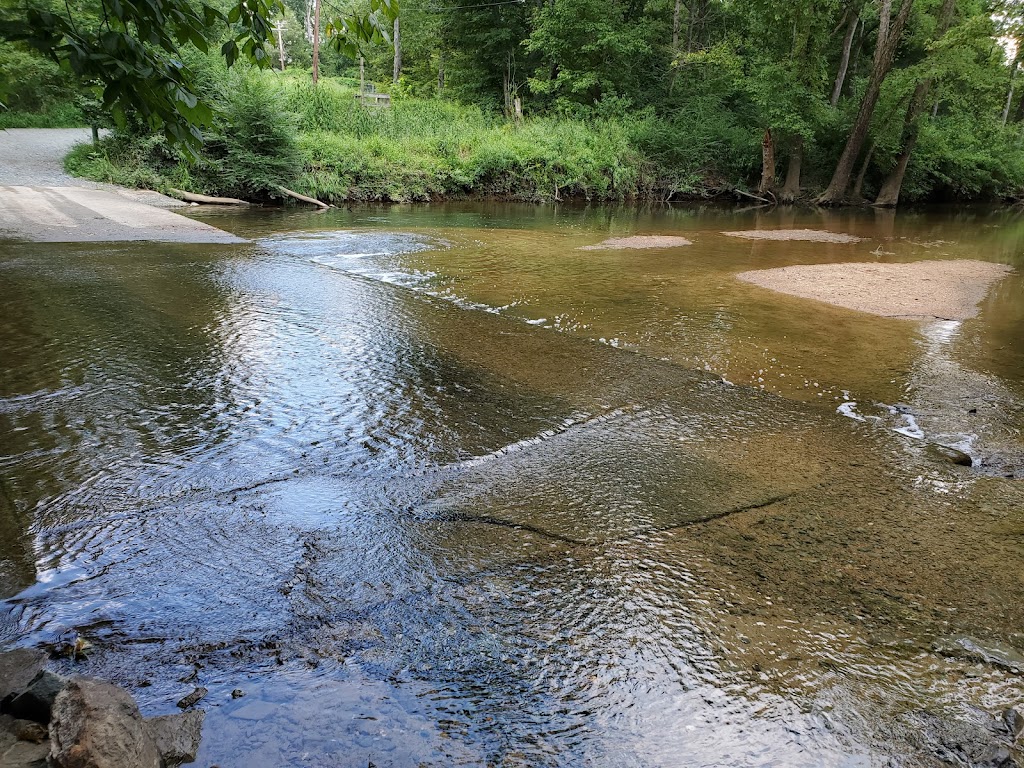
(192, 197)
(303, 198)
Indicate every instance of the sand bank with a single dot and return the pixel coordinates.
(637, 241)
(950, 290)
(811, 235)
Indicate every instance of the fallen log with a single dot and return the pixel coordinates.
(192, 197)
(303, 198)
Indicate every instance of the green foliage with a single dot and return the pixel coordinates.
(589, 49)
(133, 50)
(622, 98)
(252, 150)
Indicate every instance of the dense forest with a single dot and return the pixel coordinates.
(830, 101)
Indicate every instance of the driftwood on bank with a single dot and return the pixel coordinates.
(303, 198)
(192, 197)
(740, 193)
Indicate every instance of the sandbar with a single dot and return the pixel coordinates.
(948, 290)
(810, 235)
(637, 241)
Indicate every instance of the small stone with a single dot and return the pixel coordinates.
(237, 693)
(193, 698)
(176, 737)
(36, 701)
(26, 730)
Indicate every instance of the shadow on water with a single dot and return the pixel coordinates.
(361, 477)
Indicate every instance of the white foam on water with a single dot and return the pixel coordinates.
(849, 409)
(910, 427)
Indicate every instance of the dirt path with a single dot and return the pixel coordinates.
(40, 202)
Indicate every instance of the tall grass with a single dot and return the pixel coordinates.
(274, 130)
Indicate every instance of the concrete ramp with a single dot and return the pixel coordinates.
(79, 214)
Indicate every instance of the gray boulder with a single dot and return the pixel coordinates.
(25, 754)
(36, 701)
(23, 743)
(17, 668)
(176, 737)
(98, 725)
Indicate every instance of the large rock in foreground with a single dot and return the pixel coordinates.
(17, 669)
(98, 725)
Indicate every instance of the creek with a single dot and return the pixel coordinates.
(432, 486)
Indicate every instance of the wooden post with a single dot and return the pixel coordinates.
(279, 28)
(398, 54)
(316, 41)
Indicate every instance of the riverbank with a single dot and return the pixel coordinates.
(277, 130)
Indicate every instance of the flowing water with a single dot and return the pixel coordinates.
(432, 486)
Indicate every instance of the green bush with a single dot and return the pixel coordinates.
(252, 151)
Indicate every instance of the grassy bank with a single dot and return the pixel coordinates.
(275, 130)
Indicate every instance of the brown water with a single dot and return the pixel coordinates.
(432, 486)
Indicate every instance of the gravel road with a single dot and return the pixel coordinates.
(34, 157)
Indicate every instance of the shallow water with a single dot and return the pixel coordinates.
(432, 486)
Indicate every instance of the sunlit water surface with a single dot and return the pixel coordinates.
(432, 486)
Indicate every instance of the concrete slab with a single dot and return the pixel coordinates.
(39, 201)
(78, 214)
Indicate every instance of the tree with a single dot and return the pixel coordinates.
(133, 50)
(889, 194)
(890, 32)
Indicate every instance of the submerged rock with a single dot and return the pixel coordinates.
(98, 725)
(176, 737)
(193, 698)
(952, 455)
(961, 741)
(36, 701)
(987, 652)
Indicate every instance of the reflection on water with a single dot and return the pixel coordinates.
(356, 471)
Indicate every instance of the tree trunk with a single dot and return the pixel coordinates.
(398, 54)
(767, 163)
(844, 61)
(791, 189)
(884, 53)
(889, 194)
(308, 25)
(858, 185)
(1009, 95)
(676, 20)
(316, 41)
